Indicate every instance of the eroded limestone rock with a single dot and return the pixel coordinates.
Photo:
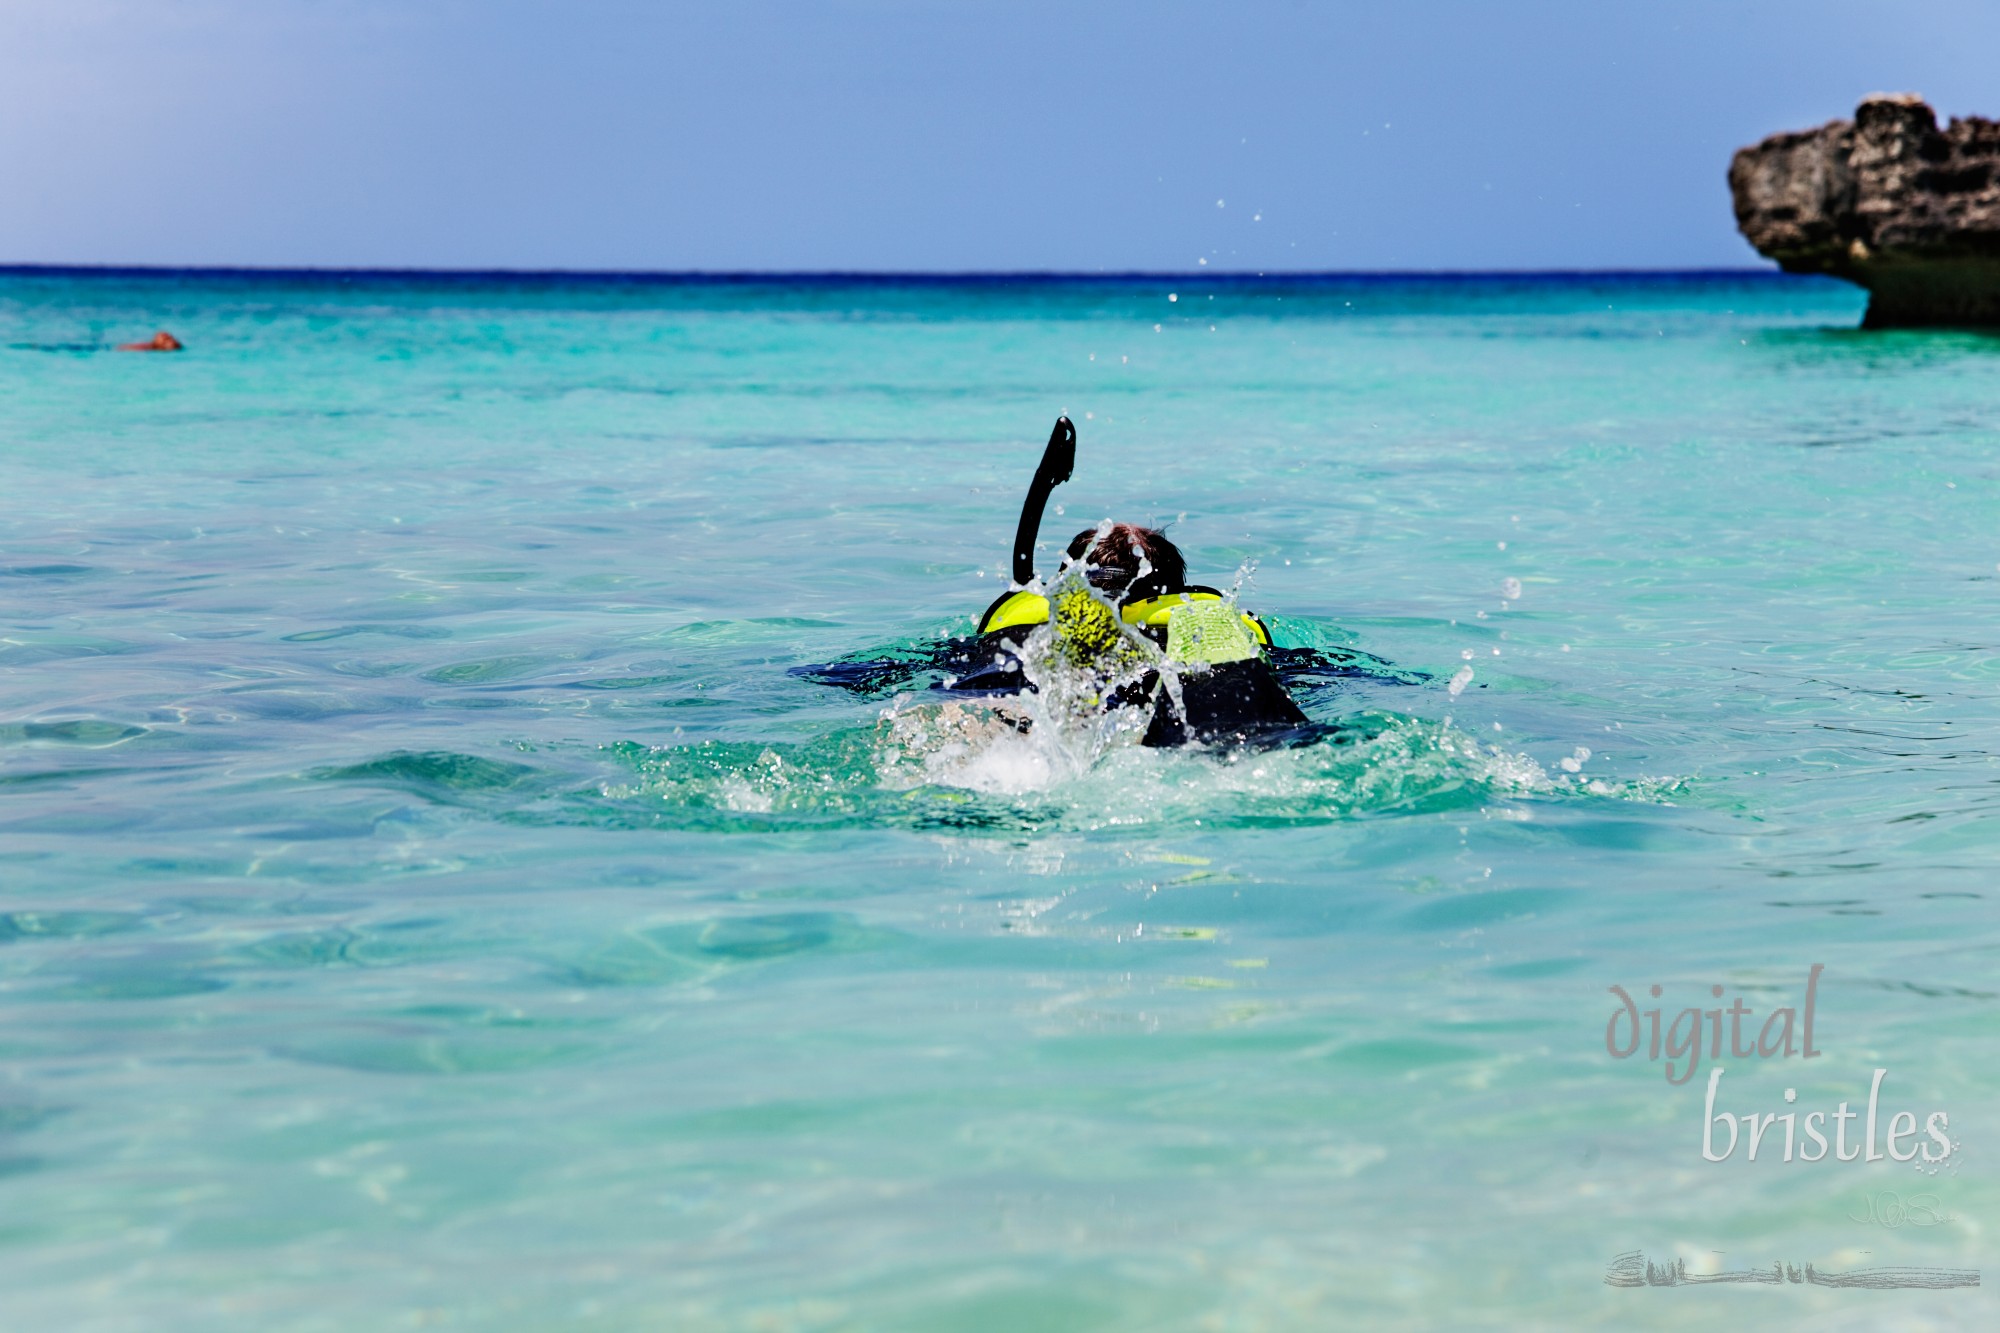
(1887, 200)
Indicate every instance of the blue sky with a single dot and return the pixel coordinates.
(926, 135)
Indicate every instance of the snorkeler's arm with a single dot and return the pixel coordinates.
(1057, 461)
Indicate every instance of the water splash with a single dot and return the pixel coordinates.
(1067, 755)
(967, 766)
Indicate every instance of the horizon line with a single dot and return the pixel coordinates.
(865, 276)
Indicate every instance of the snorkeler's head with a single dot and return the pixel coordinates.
(1128, 562)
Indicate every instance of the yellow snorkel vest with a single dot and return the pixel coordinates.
(1199, 624)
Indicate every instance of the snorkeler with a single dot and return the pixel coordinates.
(159, 342)
(1119, 629)
(1123, 610)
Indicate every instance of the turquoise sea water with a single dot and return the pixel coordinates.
(428, 899)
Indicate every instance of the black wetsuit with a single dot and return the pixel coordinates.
(1230, 701)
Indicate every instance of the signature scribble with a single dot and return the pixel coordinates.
(1631, 1269)
(1890, 1211)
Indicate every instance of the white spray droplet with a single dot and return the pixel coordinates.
(1510, 589)
(1459, 680)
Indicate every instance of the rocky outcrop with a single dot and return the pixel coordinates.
(1886, 200)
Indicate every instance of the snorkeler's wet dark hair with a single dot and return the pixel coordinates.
(1129, 561)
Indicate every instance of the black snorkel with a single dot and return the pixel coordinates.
(1054, 469)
